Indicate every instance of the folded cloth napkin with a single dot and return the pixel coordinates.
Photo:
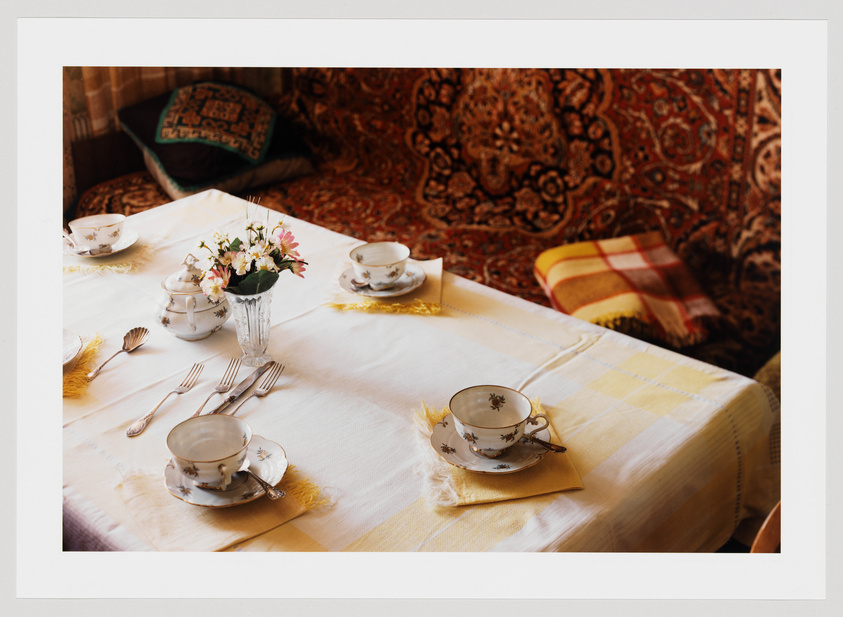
(425, 300)
(447, 485)
(75, 380)
(170, 524)
(634, 284)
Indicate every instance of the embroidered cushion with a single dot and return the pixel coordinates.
(212, 135)
(218, 115)
(635, 284)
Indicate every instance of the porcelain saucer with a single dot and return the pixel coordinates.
(71, 348)
(268, 460)
(127, 239)
(412, 279)
(455, 450)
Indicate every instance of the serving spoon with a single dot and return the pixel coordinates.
(133, 339)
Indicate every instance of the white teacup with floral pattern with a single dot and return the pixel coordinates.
(493, 418)
(210, 449)
(98, 231)
(379, 264)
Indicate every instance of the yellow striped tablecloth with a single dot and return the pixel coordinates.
(673, 454)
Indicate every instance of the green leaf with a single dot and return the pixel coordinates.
(256, 282)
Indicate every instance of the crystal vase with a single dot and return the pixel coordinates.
(251, 320)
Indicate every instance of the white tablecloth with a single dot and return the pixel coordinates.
(673, 454)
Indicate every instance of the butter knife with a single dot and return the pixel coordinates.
(241, 387)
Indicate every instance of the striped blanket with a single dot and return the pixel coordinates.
(634, 284)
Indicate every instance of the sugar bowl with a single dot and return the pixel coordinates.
(184, 310)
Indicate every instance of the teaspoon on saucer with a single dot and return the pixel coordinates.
(271, 491)
(544, 444)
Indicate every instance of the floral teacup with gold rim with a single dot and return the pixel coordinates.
(97, 232)
(379, 264)
(493, 418)
(209, 449)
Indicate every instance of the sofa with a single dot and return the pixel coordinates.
(488, 168)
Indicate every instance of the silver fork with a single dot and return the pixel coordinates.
(226, 381)
(138, 427)
(265, 386)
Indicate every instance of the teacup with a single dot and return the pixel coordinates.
(98, 231)
(493, 418)
(210, 448)
(379, 264)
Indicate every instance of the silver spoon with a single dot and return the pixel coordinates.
(133, 339)
(271, 491)
(544, 444)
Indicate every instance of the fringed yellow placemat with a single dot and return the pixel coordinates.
(169, 524)
(75, 382)
(120, 264)
(304, 490)
(416, 307)
(447, 485)
(426, 300)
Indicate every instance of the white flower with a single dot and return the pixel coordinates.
(257, 251)
(213, 286)
(265, 262)
(241, 263)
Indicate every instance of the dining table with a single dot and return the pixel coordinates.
(663, 453)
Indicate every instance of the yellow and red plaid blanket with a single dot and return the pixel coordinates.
(634, 284)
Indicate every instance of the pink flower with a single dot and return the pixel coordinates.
(227, 257)
(298, 268)
(287, 243)
(223, 274)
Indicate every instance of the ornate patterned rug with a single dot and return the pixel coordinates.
(487, 168)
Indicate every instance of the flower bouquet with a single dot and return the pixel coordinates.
(244, 271)
(251, 264)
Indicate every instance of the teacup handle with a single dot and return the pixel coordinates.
(534, 420)
(225, 473)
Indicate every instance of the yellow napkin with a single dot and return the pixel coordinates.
(75, 381)
(170, 524)
(124, 262)
(453, 486)
(426, 300)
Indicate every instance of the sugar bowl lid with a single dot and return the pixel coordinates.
(185, 280)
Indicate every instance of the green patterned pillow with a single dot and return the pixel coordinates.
(214, 135)
(221, 115)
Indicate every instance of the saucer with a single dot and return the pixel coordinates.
(412, 279)
(455, 450)
(71, 348)
(268, 460)
(127, 239)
